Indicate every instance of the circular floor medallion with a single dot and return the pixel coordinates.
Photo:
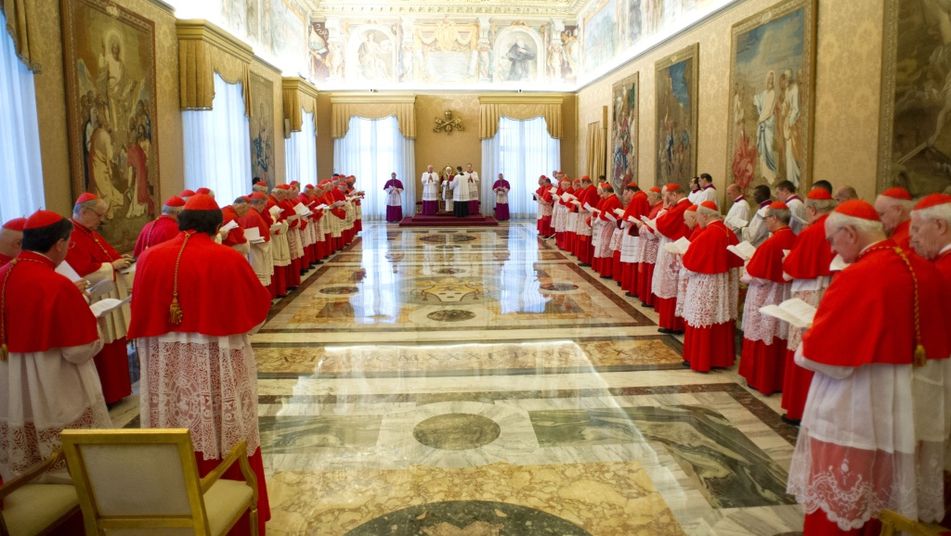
(451, 315)
(447, 271)
(457, 431)
(339, 290)
(469, 518)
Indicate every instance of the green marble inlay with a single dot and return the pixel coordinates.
(299, 434)
(468, 518)
(733, 471)
(456, 431)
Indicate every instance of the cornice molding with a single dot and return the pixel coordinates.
(202, 30)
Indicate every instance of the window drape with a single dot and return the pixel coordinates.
(21, 188)
(371, 150)
(523, 151)
(216, 145)
(300, 152)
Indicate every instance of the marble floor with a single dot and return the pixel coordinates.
(456, 381)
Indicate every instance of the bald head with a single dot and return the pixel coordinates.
(11, 242)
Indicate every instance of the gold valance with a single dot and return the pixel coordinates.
(18, 24)
(203, 50)
(297, 95)
(519, 107)
(373, 107)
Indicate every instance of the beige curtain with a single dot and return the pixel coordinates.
(298, 95)
(373, 107)
(17, 13)
(491, 109)
(203, 50)
(595, 150)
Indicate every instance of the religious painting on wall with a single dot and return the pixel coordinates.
(624, 95)
(772, 76)
(600, 35)
(570, 53)
(318, 51)
(262, 128)
(676, 120)
(518, 54)
(914, 133)
(109, 53)
(442, 52)
(371, 55)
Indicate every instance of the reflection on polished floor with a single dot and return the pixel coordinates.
(460, 381)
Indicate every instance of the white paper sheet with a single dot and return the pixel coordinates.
(226, 228)
(252, 234)
(64, 269)
(794, 311)
(106, 305)
(838, 264)
(743, 250)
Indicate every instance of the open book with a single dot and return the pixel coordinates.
(64, 269)
(553, 190)
(838, 264)
(619, 211)
(566, 197)
(226, 228)
(253, 235)
(743, 250)
(301, 209)
(650, 223)
(679, 247)
(107, 305)
(794, 311)
(275, 212)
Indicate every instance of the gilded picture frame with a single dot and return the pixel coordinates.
(772, 96)
(676, 93)
(109, 63)
(625, 115)
(914, 146)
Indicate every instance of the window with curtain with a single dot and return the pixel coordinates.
(300, 152)
(216, 144)
(523, 151)
(371, 150)
(21, 189)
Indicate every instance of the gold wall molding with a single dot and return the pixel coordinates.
(203, 50)
(519, 107)
(343, 107)
(298, 94)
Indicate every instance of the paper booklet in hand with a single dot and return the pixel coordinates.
(226, 228)
(838, 264)
(100, 288)
(619, 211)
(253, 235)
(743, 250)
(275, 212)
(794, 311)
(301, 209)
(553, 190)
(678, 247)
(64, 269)
(566, 196)
(107, 305)
(650, 223)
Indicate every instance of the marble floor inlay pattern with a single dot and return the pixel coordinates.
(478, 381)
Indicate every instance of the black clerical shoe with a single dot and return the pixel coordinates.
(664, 330)
(631, 295)
(685, 363)
(787, 420)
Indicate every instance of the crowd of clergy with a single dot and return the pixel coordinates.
(198, 284)
(842, 305)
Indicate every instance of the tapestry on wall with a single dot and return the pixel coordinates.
(109, 53)
(676, 120)
(262, 128)
(624, 95)
(772, 74)
(914, 134)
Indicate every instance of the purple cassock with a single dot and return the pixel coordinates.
(501, 189)
(394, 200)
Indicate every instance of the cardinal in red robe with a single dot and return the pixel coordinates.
(11, 239)
(631, 242)
(650, 240)
(195, 305)
(894, 206)
(873, 432)
(163, 228)
(588, 197)
(807, 266)
(96, 260)
(712, 291)
(670, 227)
(764, 337)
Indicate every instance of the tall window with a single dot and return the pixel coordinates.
(523, 151)
(371, 150)
(216, 145)
(300, 152)
(21, 187)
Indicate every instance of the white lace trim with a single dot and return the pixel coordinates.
(710, 298)
(206, 384)
(760, 327)
(631, 247)
(666, 269)
(649, 247)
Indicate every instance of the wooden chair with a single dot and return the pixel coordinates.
(142, 481)
(31, 508)
(893, 522)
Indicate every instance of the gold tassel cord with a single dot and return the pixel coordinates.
(175, 313)
(920, 356)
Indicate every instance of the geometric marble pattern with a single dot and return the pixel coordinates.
(477, 381)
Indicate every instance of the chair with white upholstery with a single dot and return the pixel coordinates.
(146, 482)
(31, 508)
